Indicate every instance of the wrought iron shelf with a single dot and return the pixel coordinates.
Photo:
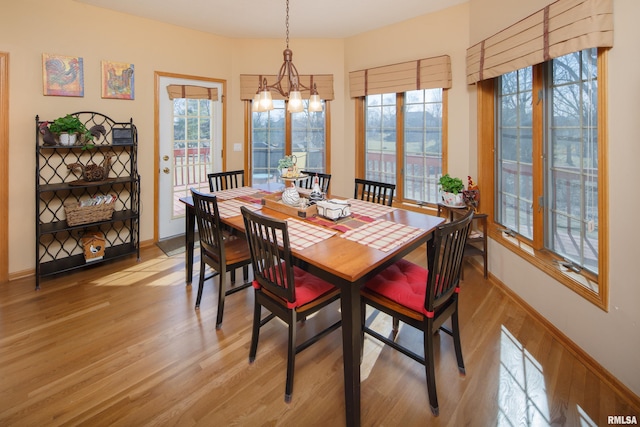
(59, 247)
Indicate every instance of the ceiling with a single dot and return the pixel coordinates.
(266, 18)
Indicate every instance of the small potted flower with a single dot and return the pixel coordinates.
(451, 190)
(68, 128)
(287, 166)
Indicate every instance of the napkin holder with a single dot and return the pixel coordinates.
(334, 209)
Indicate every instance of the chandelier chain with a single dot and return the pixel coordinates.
(287, 24)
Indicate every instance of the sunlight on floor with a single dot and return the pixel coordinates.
(372, 347)
(522, 395)
(143, 272)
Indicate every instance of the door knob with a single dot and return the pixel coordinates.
(166, 170)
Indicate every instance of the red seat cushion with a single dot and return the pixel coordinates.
(308, 287)
(403, 282)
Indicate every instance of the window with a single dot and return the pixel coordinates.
(404, 132)
(275, 133)
(548, 168)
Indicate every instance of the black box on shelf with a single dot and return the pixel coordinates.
(123, 136)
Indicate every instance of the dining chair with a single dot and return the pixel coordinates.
(287, 291)
(221, 253)
(373, 191)
(423, 298)
(219, 181)
(323, 179)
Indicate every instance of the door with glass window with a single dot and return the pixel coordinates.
(191, 140)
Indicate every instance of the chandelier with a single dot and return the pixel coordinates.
(288, 85)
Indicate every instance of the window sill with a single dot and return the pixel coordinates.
(583, 283)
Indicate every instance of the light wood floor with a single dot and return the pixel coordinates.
(121, 345)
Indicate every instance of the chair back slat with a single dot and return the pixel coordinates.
(270, 254)
(373, 191)
(324, 179)
(209, 230)
(219, 181)
(445, 252)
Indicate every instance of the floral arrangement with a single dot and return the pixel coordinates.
(287, 166)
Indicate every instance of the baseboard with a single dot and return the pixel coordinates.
(32, 271)
(603, 374)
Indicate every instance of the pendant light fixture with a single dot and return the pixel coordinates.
(288, 85)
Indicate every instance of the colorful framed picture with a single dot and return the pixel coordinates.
(62, 75)
(117, 80)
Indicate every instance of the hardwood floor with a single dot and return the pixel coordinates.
(121, 345)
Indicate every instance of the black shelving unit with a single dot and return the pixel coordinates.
(58, 244)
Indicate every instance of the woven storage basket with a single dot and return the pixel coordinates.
(77, 215)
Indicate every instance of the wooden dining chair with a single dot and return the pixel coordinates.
(324, 180)
(373, 191)
(288, 292)
(219, 181)
(221, 253)
(423, 298)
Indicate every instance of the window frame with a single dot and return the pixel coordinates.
(288, 143)
(594, 288)
(361, 149)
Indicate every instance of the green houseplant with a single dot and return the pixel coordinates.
(71, 126)
(451, 190)
(287, 166)
(286, 162)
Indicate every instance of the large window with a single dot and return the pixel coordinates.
(276, 133)
(403, 142)
(547, 170)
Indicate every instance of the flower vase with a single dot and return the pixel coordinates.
(451, 199)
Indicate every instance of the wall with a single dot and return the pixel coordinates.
(69, 28)
(611, 337)
(29, 28)
(441, 33)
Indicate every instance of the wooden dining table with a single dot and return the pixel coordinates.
(345, 263)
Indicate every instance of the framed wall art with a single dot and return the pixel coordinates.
(62, 75)
(117, 80)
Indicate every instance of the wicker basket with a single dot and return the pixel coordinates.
(77, 215)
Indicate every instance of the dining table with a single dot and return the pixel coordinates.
(345, 253)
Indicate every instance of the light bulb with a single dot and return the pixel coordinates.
(315, 103)
(295, 102)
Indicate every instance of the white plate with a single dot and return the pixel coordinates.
(295, 178)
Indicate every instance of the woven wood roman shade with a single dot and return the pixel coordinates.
(249, 85)
(428, 73)
(560, 28)
(192, 92)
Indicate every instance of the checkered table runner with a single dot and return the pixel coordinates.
(229, 208)
(343, 224)
(383, 235)
(302, 234)
(373, 210)
(233, 193)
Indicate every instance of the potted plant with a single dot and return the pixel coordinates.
(286, 165)
(68, 128)
(451, 190)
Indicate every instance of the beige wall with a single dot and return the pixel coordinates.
(96, 34)
(442, 33)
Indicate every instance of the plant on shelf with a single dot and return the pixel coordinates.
(450, 185)
(451, 190)
(73, 127)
